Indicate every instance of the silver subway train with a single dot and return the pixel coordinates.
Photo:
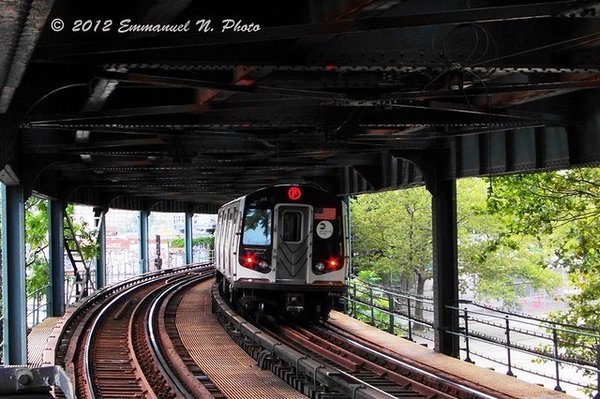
(283, 250)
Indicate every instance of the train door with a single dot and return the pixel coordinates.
(233, 242)
(292, 242)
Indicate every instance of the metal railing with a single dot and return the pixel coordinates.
(36, 312)
(1, 339)
(37, 306)
(412, 316)
(509, 330)
(392, 311)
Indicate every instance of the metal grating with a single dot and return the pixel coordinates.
(37, 340)
(227, 365)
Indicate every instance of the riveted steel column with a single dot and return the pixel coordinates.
(445, 265)
(56, 214)
(144, 241)
(348, 201)
(13, 275)
(100, 224)
(189, 238)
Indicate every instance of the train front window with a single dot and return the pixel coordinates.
(257, 227)
(292, 226)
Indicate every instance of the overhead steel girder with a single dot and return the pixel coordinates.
(529, 149)
(90, 196)
(552, 44)
(22, 24)
(388, 172)
(294, 32)
(388, 85)
(316, 116)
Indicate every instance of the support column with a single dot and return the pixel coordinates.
(144, 241)
(13, 275)
(189, 238)
(445, 263)
(100, 224)
(347, 200)
(56, 301)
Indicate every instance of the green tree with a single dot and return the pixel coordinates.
(563, 209)
(392, 236)
(36, 242)
(204, 241)
(493, 263)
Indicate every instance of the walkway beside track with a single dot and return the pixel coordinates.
(226, 364)
(37, 340)
(440, 364)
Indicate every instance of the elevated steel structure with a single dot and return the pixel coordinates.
(351, 95)
(342, 94)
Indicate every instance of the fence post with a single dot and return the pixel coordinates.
(556, 363)
(38, 302)
(354, 300)
(507, 332)
(391, 310)
(409, 320)
(466, 316)
(372, 306)
(597, 396)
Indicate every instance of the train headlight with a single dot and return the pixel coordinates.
(320, 266)
(263, 265)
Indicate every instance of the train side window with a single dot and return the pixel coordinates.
(235, 220)
(257, 227)
(292, 226)
(226, 241)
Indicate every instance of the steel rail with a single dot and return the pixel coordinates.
(107, 300)
(91, 388)
(311, 369)
(410, 367)
(154, 338)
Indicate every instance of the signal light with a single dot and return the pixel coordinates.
(330, 265)
(249, 261)
(294, 193)
(252, 261)
(333, 264)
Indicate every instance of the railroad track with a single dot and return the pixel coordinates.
(118, 344)
(323, 361)
(384, 368)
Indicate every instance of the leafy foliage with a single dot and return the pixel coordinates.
(392, 235)
(562, 209)
(203, 241)
(492, 261)
(36, 242)
(392, 238)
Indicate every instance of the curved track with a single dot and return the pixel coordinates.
(117, 345)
